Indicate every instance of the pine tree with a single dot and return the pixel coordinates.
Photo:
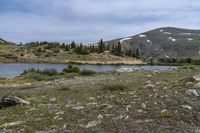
(137, 54)
(81, 47)
(63, 45)
(119, 49)
(151, 61)
(73, 45)
(67, 48)
(113, 48)
(101, 46)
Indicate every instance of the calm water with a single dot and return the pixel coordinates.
(13, 70)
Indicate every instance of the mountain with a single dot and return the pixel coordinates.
(3, 42)
(164, 42)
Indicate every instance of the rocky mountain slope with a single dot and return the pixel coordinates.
(164, 42)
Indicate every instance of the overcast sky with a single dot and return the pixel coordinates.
(89, 20)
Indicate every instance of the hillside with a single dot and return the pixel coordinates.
(2, 42)
(164, 42)
(44, 54)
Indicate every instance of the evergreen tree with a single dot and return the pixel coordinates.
(101, 46)
(137, 54)
(63, 45)
(73, 45)
(151, 61)
(119, 49)
(113, 48)
(67, 48)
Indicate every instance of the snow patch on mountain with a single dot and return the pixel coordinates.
(125, 39)
(168, 33)
(172, 39)
(186, 34)
(190, 39)
(148, 41)
(142, 35)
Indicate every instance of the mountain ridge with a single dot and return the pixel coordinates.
(164, 42)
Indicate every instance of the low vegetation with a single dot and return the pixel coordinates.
(140, 101)
(72, 69)
(87, 72)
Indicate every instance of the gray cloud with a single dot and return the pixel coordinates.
(90, 20)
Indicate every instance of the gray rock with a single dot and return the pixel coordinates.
(92, 124)
(186, 107)
(144, 106)
(12, 101)
(12, 124)
(124, 70)
(196, 78)
(192, 92)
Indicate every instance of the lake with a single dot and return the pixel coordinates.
(13, 70)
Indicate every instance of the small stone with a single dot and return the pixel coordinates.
(60, 113)
(144, 106)
(139, 111)
(192, 92)
(78, 107)
(53, 99)
(92, 124)
(150, 86)
(91, 98)
(12, 124)
(100, 117)
(186, 107)
(126, 118)
(196, 78)
(148, 82)
(189, 83)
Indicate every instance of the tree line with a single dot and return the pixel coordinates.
(101, 47)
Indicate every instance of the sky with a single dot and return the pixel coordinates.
(88, 21)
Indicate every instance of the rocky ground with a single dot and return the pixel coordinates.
(140, 101)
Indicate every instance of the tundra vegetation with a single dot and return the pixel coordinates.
(137, 101)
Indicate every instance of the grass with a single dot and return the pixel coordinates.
(99, 95)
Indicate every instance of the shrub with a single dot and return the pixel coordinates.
(64, 88)
(115, 87)
(31, 70)
(87, 72)
(50, 72)
(72, 69)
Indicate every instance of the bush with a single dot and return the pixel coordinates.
(115, 87)
(72, 69)
(50, 72)
(31, 70)
(87, 72)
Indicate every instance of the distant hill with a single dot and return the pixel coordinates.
(3, 42)
(164, 42)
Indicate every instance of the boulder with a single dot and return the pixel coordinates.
(12, 101)
(124, 70)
